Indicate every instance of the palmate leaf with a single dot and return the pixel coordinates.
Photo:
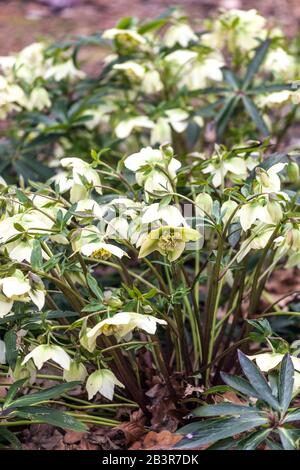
(43, 395)
(285, 382)
(258, 381)
(212, 430)
(256, 62)
(51, 416)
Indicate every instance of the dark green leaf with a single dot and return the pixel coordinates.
(213, 430)
(252, 441)
(257, 381)
(10, 339)
(255, 115)
(93, 285)
(223, 409)
(240, 384)
(13, 389)
(10, 437)
(285, 382)
(256, 62)
(287, 441)
(53, 417)
(36, 258)
(43, 395)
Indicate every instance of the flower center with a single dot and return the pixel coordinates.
(102, 253)
(168, 242)
(108, 330)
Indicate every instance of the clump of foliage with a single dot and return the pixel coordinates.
(155, 250)
(266, 419)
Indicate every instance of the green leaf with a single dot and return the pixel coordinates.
(287, 441)
(292, 416)
(213, 430)
(253, 440)
(10, 339)
(223, 409)
(258, 381)
(285, 382)
(10, 437)
(225, 114)
(255, 115)
(240, 384)
(43, 395)
(13, 389)
(36, 258)
(256, 62)
(53, 417)
(93, 285)
(230, 78)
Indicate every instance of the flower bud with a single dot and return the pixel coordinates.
(293, 172)
(167, 150)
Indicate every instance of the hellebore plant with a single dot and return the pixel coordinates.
(232, 78)
(156, 250)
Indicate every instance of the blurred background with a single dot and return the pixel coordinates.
(24, 21)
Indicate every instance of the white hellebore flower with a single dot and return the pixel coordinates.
(154, 181)
(18, 288)
(76, 371)
(46, 352)
(258, 239)
(176, 119)
(102, 381)
(133, 70)
(169, 214)
(168, 241)
(64, 70)
(125, 37)
(122, 324)
(81, 172)
(126, 127)
(151, 82)
(220, 168)
(180, 33)
(89, 241)
(2, 352)
(268, 181)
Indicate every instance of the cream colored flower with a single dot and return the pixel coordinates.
(89, 241)
(154, 181)
(258, 239)
(125, 128)
(179, 33)
(227, 209)
(122, 324)
(125, 37)
(2, 352)
(268, 181)
(168, 241)
(171, 215)
(151, 82)
(46, 352)
(76, 371)
(64, 71)
(133, 70)
(102, 381)
(219, 168)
